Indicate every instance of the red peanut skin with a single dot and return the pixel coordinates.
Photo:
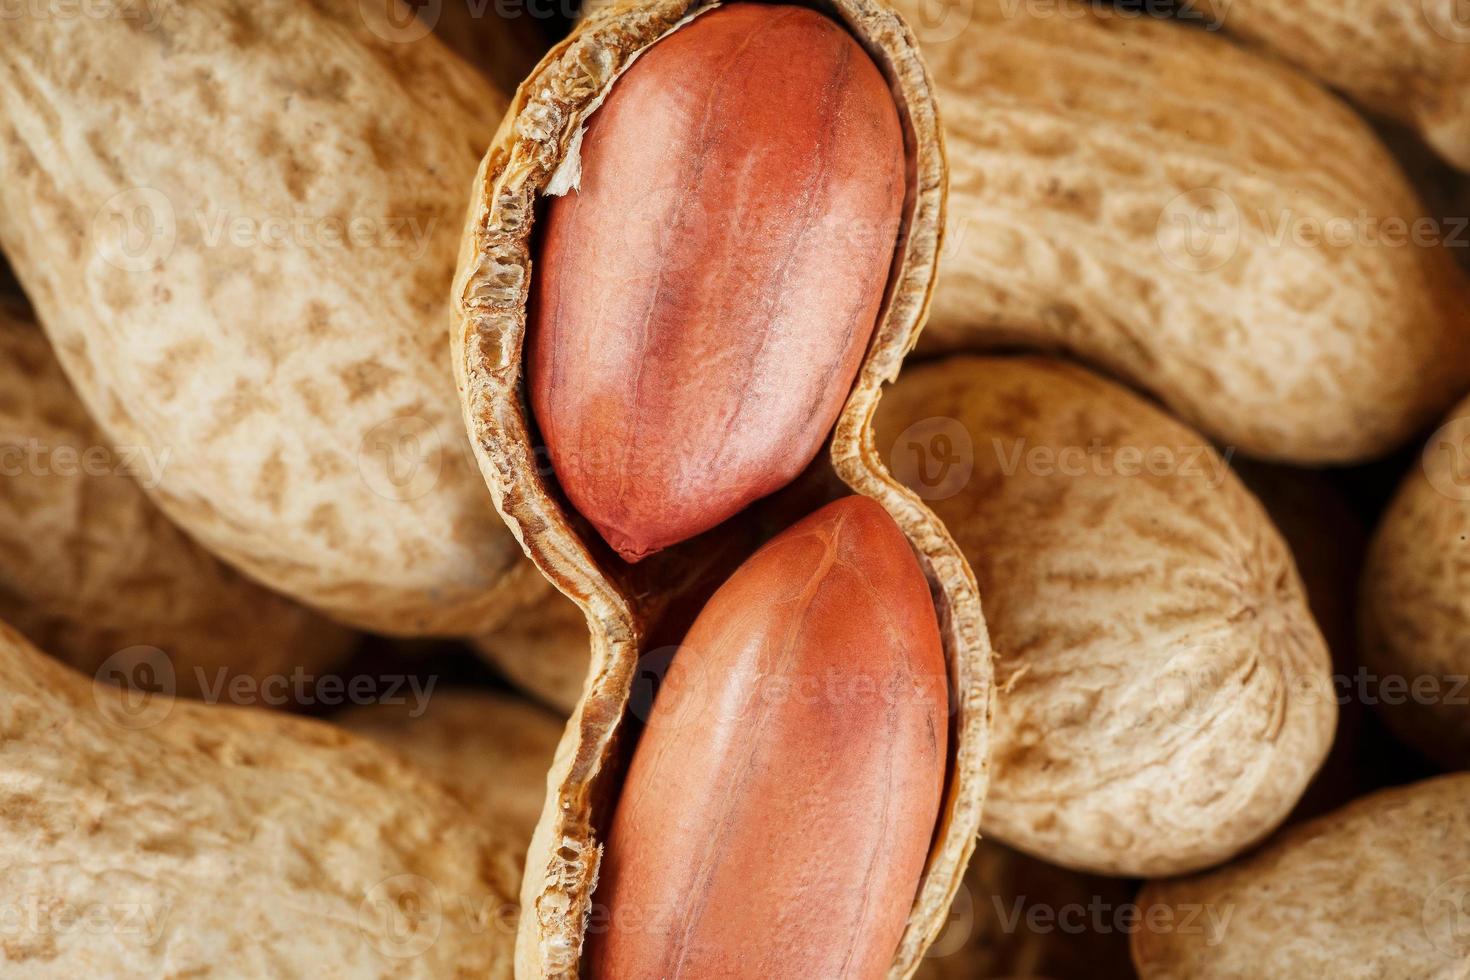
(701, 306)
(779, 808)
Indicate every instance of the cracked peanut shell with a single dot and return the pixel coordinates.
(634, 611)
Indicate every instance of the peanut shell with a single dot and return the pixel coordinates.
(1407, 61)
(544, 654)
(1376, 889)
(1200, 220)
(1415, 608)
(625, 607)
(1165, 694)
(238, 227)
(230, 842)
(89, 567)
(490, 750)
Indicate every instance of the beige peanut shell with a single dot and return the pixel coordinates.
(1376, 889)
(1164, 692)
(89, 567)
(543, 654)
(626, 608)
(1145, 196)
(490, 750)
(1415, 608)
(238, 225)
(153, 837)
(1407, 61)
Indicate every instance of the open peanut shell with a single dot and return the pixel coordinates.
(634, 609)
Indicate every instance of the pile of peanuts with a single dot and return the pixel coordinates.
(955, 489)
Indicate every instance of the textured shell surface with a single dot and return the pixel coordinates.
(1375, 890)
(1164, 692)
(491, 750)
(624, 606)
(1408, 61)
(216, 842)
(237, 222)
(89, 567)
(1415, 608)
(1203, 221)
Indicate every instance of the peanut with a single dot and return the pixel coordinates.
(778, 809)
(89, 567)
(1415, 608)
(238, 231)
(1166, 692)
(490, 750)
(1407, 61)
(704, 298)
(229, 842)
(1376, 889)
(1202, 221)
(634, 609)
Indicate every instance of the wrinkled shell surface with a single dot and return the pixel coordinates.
(491, 290)
(1164, 693)
(1134, 191)
(1375, 890)
(490, 750)
(90, 567)
(1416, 599)
(220, 842)
(238, 227)
(1408, 61)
